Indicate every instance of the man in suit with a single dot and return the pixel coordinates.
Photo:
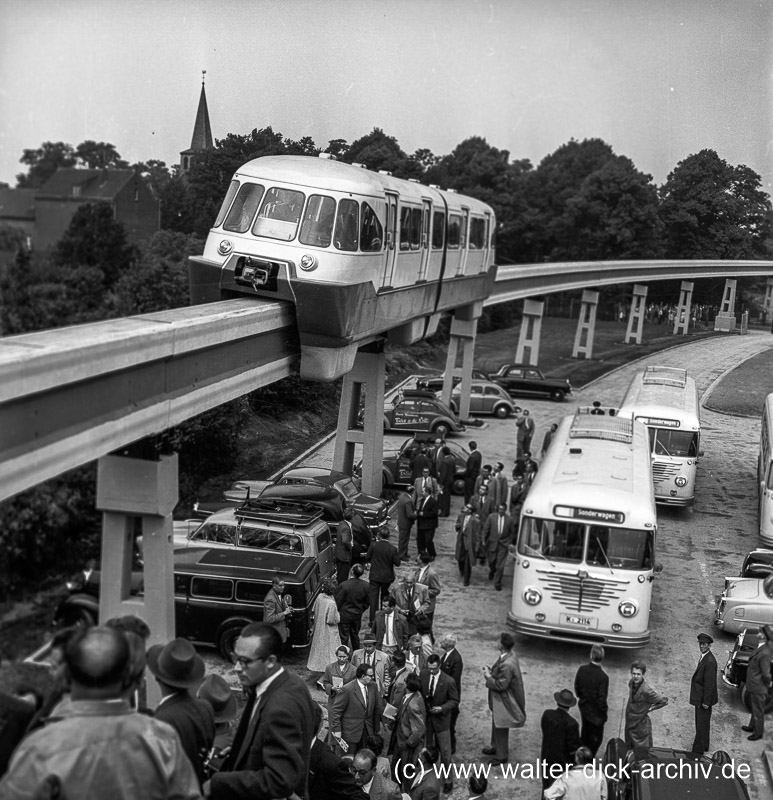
(497, 535)
(383, 560)
(471, 471)
(389, 628)
(376, 659)
(524, 432)
(446, 478)
(410, 729)
(426, 575)
(271, 749)
(591, 685)
(401, 672)
(352, 598)
(177, 669)
(356, 712)
(467, 541)
(758, 681)
(703, 693)
(483, 505)
(425, 480)
(560, 737)
(275, 610)
(426, 522)
(451, 664)
(426, 784)
(420, 463)
(506, 699)
(362, 539)
(412, 601)
(441, 696)
(330, 776)
(498, 486)
(372, 783)
(415, 658)
(343, 547)
(484, 479)
(406, 514)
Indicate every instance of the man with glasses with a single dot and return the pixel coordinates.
(374, 785)
(355, 713)
(270, 753)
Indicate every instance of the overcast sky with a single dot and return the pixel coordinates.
(657, 80)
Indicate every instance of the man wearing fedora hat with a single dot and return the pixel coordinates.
(178, 669)
(560, 737)
(215, 691)
(703, 693)
(758, 681)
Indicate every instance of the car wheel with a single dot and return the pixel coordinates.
(227, 640)
(502, 411)
(557, 395)
(458, 487)
(441, 429)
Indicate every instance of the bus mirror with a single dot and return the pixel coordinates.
(658, 568)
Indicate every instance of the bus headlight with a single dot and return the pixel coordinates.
(628, 608)
(225, 247)
(680, 481)
(308, 262)
(532, 596)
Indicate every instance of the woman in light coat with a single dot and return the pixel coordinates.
(325, 639)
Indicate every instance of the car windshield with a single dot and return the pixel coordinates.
(596, 545)
(348, 488)
(665, 442)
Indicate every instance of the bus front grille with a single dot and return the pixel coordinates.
(585, 595)
(663, 471)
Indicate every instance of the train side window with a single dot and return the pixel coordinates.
(477, 234)
(415, 228)
(454, 231)
(244, 207)
(405, 228)
(347, 225)
(317, 225)
(279, 215)
(371, 231)
(438, 230)
(230, 194)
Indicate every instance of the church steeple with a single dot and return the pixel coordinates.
(202, 132)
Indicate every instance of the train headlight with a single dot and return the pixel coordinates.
(308, 262)
(680, 481)
(225, 247)
(532, 596)
(628, 608)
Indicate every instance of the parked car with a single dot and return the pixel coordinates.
(757, 564)
(524, 380)
(663, 773)
(216, 593)
(744, 603)
(734, 672)
(372, 509)
(434, 383)
(416, 410)
(397, 469)
(486, 397)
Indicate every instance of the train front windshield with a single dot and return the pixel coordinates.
(596, 545)
(665, 442)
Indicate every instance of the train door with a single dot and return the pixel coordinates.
(391, 241)
(464, 240)
(426, 212)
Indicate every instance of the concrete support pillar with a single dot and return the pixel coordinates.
(725, 320)
(636, 317)
(528, 337)
(586, 325)
(464, 327)
(137, 497)
(682, 320)
(363, 385)
(767, 305)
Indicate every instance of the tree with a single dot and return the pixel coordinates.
(381, 152)
(43, 163)
(99, 155)
(711, 209)
(337, 148)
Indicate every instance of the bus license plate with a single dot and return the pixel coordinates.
(583, 622)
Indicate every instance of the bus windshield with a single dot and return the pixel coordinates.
(597, 545)
(665, 442)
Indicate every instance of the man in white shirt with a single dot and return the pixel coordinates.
(376, 659)
(389, 628)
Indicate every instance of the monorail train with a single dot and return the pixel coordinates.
(359, 253)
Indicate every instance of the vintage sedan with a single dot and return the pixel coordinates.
(435, 382)
(524, 380)
(486, 397)
(744, 603)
